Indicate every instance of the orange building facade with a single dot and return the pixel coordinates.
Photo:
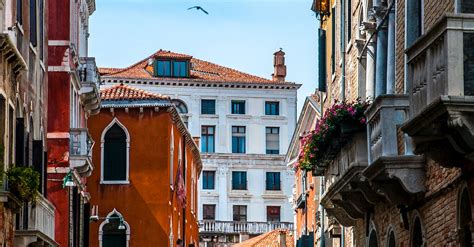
(144, 187)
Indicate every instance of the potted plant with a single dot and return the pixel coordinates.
(23, 182)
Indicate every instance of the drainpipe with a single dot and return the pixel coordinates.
(343, 52)
(323, 239)
(391, 51)
(343, 237)
(381, 54)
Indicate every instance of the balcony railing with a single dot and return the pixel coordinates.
(37, 225)
(88, 75)
(236, 227)
(80, 151)
(437, 63)
(88, 72)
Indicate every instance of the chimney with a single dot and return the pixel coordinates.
(196, 140)
(279, 74)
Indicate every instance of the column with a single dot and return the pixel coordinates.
(381, 58)
(370, 70)
(391, 52)
(223, 197)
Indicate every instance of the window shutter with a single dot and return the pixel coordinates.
(322, 60)
(115, 154)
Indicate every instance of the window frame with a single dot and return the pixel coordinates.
(275, 186)
(239, 187)
(272, 151)
(202, 104)
(213, 179)
(277, 109)
(106, 221)
(240, 102)
(214, 211)
(279, 213)
(127, 155)
(239, 135)
(207, 136)
(239, 214)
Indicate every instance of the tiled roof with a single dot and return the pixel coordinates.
(200, 71)
(269, 239)
(124, 92)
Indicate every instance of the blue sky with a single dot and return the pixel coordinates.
(241, 34)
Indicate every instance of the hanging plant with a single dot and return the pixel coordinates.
(23, 182)
(331, 132)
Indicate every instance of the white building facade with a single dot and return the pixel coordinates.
(245, 128)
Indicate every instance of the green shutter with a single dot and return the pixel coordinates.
(322, 60)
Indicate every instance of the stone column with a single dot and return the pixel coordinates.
(381, 55)
(391, 52)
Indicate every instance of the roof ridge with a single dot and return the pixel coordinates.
(129, 93)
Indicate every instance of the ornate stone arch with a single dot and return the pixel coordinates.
(114, 121)
(107, 221)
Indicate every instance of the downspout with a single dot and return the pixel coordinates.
(343, 51)
(323, 238)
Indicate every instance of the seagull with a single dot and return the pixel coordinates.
(199, 8)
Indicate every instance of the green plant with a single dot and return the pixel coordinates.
(330, 132)
(23, 182)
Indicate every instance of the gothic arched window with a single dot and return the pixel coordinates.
(417, 238)
(373, 239)
(115, 153)
(465, 218)
(114, 231)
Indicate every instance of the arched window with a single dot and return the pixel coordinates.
(180, 106)
(391, 239)
(115, 153)
(465, 218)
(373, 239)
(114, 231)
(417, 238)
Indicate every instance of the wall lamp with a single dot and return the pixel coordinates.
(95, 217)
(68, 180)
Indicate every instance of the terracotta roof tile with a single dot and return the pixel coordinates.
(124, 92)
(200, 71)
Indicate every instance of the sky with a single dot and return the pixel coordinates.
(241, 34)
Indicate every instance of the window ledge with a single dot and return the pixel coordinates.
(267, 195)
(211, 193)
(273, 117)
(239, 116)
(214, 116)
(114, 182)
(240, 194)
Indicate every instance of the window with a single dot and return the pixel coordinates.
(208, 212)
(238, 107)
(273, 181)
(180, 69)
(208, 180)
(273, 214)
(239, 180)
(163, 68)
(240, 213)
(238, 139)
(111, 235)
(467, 6)
(115, 155)
(272, 108)
(208, 139)
(414, 21)
(33, 14)
(208, 106)
(348, 23)
(41, 31)
(465, 218)
(273, 140)
(417, 234)
(373, 239)
(391, 239)
(19, 11)
(180, 106)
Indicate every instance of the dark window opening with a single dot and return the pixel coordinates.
(417, 235)
(373, 239)
(208, 139)
(239, 180)
(208, 178)
(209, 212)
(115, 154)
(112, 236)
(273, 181)
(333, 41)
(238, 139)
(208, 106)
(467, 6)
(20, 142)
(468, 44)
(172, 68)
(238, 107)
(19, 11)
(391, 240)
(273, 214)
(465, 219)
(414, 21)
(33, 27)
(239, 213)
(272, 108)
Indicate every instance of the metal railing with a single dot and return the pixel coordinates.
(236, 227)
(436, 62)
(81, 143)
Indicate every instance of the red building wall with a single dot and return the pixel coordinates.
(147, 203)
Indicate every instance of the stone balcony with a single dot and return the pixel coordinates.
(89, 78)
(39, 227)
(441, 91)
(348, 195)
(80, 153)
(393, 169)
(214, 227)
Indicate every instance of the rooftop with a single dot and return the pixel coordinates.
(121, 92)
(200, 71)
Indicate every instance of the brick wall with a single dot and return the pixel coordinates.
(276, 238)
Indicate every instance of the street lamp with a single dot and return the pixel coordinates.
(321, 8)
(68, 181)
(95, 217)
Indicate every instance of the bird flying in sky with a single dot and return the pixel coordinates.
(199, 8)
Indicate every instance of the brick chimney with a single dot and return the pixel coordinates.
(279, 74)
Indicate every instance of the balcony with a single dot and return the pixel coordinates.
(441, 91)
(80, 153)
(349, 196)
(89, 78)
(39, 227)
(211, 227)
(11, 51)
(393, 168)
(301, 201)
